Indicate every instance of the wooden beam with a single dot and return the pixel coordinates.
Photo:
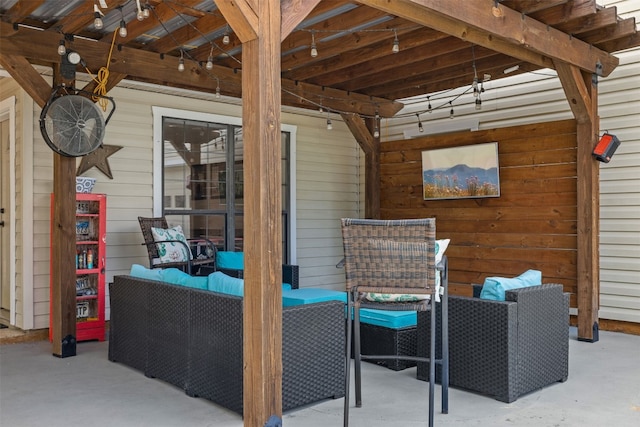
(371, 146)
(241, 17)
(27, 77)
(21, 10)
(113, 80)
(262, 317)
(294, 11)
(489, 24)
(576, 91)
(149, 67)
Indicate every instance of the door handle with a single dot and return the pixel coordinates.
(1, 223)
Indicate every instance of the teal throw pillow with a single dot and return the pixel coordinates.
(221, 283)
(227, 259)
(175, 276)
(142, 272)
(495, 287)
(198, 282)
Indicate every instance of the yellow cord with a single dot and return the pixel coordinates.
(102, 79)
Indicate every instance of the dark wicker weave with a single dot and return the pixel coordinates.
(193, 339)
(190, 266)
(390, 257)
(504, 349)
(376, 339)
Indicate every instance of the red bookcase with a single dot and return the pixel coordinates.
(90, 265)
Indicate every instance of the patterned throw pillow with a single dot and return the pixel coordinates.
(169, 248)
(441, 246)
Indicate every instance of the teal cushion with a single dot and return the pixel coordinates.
(175, 276)
(142, 272)
(227, 259)
(221, 283)
(310, 296)
(495, 287)
(198, 282)
(388, 319)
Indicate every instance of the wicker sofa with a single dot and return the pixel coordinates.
(504, 349)
(192, 339)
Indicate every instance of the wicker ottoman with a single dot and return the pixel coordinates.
(385, 332)
(381, 340)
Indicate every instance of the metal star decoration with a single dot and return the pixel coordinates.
(98, 158)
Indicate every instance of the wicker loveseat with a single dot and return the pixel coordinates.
(192, 339)
(504, 349)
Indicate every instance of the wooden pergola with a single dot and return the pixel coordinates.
(355, 75)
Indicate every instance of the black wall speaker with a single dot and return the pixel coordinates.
(604, 149)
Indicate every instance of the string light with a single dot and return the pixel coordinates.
(62, 49)
(97, 14)
(420, 128)
(123, 25)
(396, 43)
(217, 88)
(376, 130)
(209, 65)
(145, 9)
(225, 39)
(429, 109)
(181, 61)
(314, 50)
(478, 103)
(451, 114)
(329, 124)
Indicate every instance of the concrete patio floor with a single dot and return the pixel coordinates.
(38, 389)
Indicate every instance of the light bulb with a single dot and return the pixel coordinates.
(451, 115)
(225, 39)
(396, 44)
(429, 105)
(97, 22)
(123, 29)
(478, 104)
(140, 15)
(329, 124)
(209, 65)
(420, 128)
(314, 51)
(145, 11)
(217, 92)
(61, 48)
(376, 132)
(181, 65)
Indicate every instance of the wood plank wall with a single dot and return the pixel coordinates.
(532, 225)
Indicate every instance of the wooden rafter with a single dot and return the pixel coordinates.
(501, 29)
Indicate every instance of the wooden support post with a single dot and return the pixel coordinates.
(588, 220)
(63, 250)
(581, 90)
(259, 29)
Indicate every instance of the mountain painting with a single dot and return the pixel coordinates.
(470, 171)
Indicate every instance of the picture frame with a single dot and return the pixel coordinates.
(464, 172)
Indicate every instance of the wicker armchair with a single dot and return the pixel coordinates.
(504, 349)
(392, 257)
(190, 265)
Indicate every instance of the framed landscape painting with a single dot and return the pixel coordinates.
(470, 171)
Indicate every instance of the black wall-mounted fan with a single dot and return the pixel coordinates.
(72, 124)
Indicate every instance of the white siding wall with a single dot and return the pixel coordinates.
(327, 172)
(533, 98)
